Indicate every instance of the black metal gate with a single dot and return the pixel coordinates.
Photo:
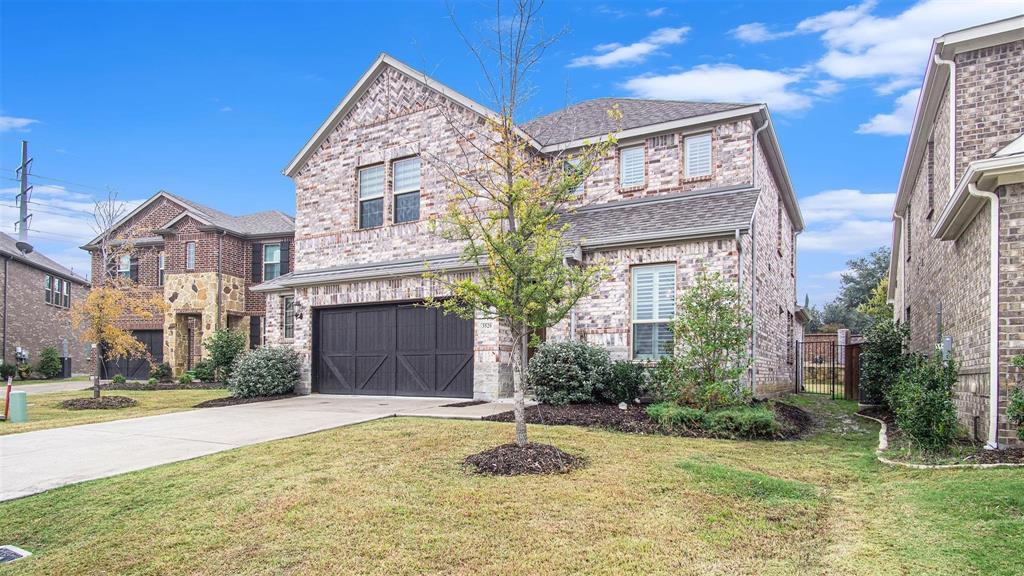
(820, 367)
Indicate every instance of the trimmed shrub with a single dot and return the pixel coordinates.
(675, 417)
(24, 371)
(162, 371)
(153, 381)
(922, 402)
(266, 371)
(665, 382)
(568, 372)
(626, 382)
(8, 371)
(118, 379)
(204, 370)
(882, 360)
(185, 378)
(1015, 406)
(743, 422)
(49, 362)
(224, 347)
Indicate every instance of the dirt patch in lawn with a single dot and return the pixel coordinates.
(232, 401)
(146, 386)
(513, 460)
(634, 419)
(101, 403)
(963, 450)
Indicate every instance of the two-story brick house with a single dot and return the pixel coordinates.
(203, 262)
(689, 185)
(36, 294)
(957, 228)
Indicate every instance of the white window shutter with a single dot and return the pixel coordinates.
(698, 155)
(407, 175)
(371, 182)
(643, 294)
(631, 166)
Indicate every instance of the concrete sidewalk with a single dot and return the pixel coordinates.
(47, 387)
(33, 462)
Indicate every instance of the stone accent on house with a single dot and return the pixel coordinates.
(196, 295)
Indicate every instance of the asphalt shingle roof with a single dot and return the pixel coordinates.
(590, 118)
(684, 214)
(268, 222)
(8, 247)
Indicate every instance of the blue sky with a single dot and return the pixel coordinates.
(210, 100)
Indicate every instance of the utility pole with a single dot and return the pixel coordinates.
(23, 197)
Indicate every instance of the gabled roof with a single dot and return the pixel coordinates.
(366, 271)
(590, 118)
(661, 218)
(9, 249)
(267, 223)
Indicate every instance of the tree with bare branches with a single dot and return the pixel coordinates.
(505, 203)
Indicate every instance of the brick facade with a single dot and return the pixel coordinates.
(396, 116)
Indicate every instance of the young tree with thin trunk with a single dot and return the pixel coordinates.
(505, 202)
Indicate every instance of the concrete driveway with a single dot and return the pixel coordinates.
(32, 462)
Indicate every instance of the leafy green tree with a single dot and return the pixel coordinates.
(877, 307)
(224, 346)
(863, 276)
(49, 362)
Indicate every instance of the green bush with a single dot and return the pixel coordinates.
(568, 372)
(204, 370)
(665, 382)
(185, 378)
(265, 371)
(743, 422)
(675, 417)
(922, 402)
(49, 362)
(626, 382)
(118, 379)
(162, 371)
(153, 381)
(8, 371)
(24, 371)
(882, 360)
(1015, 407)
(224, 347)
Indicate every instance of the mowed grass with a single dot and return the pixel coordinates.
(44, 410)
(390, 497)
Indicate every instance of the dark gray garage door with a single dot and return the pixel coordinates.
(395, 349)
(138, 368)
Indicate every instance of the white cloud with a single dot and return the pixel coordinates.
(849, 237)
(826, 88)
(225, 109)
(615, 54)
(896, 123)
(846, 204)
(657, 12)
(756, 32)
(836, 274)
(724, 83)
(11, 123)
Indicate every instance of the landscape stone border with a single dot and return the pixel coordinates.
(883, 445)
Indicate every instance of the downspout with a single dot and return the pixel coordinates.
(220, 279)
(899, 262)
(952, 119)
(6, 262)
(993, 314)
(753, 154)
(753, 259)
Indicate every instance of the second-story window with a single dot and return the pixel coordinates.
(190, 256)
(161, 264)
(406, 189)
(571, 167)
(697, 160)
(371, 197)
(271, 261)
(631, 167)
(67, 294)
(124, 266)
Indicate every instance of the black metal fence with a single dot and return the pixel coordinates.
(825, 367)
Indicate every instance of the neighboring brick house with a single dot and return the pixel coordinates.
(203, 261)
(964, 165)
(36, 296)
(689, 185)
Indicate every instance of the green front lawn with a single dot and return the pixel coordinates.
(44, 410)
(389, 497)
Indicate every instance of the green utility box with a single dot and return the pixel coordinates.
(18, 411)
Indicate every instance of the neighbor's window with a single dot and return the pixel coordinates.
(571, 167)
(288, 316)
(371, 197)
(67, 293)
(271, 261)
(190, 256)
(406, 189)
(698, 155)
(48, 289)
(631, 167)
(654, 304)
(161, 265)
(124, 266)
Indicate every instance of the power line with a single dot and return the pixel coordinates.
(63, 181)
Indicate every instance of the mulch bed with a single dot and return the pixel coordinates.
(965, 451)
(101, 403)
(146, 386)
(513, 460)
(464, 404)
(233, 401)
(635, 420)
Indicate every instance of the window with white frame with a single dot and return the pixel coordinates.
(571, 167)
(124, 266)
(654, 305)
(57, 291)
(371, 197)
(67, 293)
(161, 265)
(288, 316)
(190, 256)
(271, 261)
(48, 289)
(406, 189)
(631, 167)
(698, 155)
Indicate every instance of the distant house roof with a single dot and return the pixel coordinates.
(591, 118)
(675, 216)
(36, 260)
